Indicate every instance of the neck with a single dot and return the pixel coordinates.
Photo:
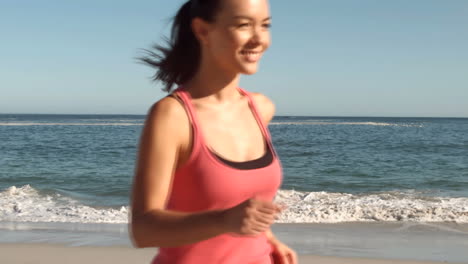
(213, 84)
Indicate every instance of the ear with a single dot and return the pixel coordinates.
(201, 29)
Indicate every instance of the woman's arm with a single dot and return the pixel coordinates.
(151, 225)
(164, 228)
(267, 111)
(271, 237)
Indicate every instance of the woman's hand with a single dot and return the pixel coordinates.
(250, 217)
(282, 253)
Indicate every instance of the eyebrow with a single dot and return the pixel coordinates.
(246, 17)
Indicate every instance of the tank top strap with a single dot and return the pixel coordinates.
(257, 116)
(188, 106)
(256, 113)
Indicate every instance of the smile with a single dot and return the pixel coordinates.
(251, 56)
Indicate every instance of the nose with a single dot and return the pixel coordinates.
(258, 34)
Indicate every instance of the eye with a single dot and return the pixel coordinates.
(244, 25)
(268, 25)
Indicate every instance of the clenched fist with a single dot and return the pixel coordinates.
(251, 217)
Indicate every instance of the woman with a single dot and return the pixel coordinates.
(207, 172)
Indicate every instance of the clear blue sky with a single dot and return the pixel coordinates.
(327, 58)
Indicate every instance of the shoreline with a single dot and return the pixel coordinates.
(16, 253)
(405, 241)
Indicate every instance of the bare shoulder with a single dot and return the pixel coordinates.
(169, 114)
(168, 109)
(265, 105)
(167, 124)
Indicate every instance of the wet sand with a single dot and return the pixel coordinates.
(41, 253)
(400, 242)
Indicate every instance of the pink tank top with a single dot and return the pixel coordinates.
(205, 183)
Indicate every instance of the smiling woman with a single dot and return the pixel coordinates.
(229, 33)
(207, 171)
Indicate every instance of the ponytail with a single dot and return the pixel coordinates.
(179, 62)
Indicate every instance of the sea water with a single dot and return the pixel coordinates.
(79, 168)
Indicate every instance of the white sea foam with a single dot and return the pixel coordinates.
(122, 123)
(26, 204)
(67, 124)
(347, 123)
(324, 207)
(109, 120)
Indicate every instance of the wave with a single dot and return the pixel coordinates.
(111, 120)
(68, 124)
(126, 123)
(325, 207)
(346, 123)
(26, 204)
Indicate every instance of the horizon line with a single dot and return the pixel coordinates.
(460, 117)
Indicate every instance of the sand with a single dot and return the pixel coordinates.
(32, 243)
(42, 253)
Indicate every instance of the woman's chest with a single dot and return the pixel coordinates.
(210, 185)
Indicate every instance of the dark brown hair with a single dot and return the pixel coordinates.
(178, 62)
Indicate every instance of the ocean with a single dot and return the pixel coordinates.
(79, 168)
(373, 187)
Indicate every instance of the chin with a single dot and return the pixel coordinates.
(249, 69)
(249, 72)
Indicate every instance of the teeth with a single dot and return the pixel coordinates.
(251, 56)
(250, 52)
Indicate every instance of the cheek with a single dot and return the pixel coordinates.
(227, 44)
(267, 39)
(239, 39)
(233, 42)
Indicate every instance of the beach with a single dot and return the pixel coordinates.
(350, 116)
(55, 254)
(315, 243)
(357, 190)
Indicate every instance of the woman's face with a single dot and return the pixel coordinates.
(239, 35)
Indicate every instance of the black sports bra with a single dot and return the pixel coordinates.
(261, 162)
